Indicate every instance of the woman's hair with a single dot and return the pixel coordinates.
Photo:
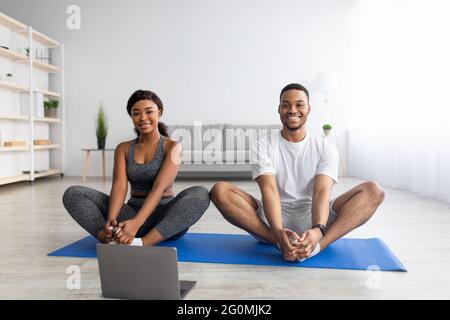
(148, 95)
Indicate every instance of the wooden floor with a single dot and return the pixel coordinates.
(34, 223)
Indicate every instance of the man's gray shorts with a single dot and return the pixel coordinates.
(298, 224)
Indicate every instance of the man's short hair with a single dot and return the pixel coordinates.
(295, 86)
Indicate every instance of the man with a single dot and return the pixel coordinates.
(295, 172)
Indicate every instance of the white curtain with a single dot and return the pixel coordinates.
(418, 161)
(399, 95)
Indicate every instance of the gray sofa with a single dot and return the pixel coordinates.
(218, 150)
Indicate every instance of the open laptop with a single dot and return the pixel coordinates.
(131, 272)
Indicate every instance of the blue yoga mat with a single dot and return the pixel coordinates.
(345, 253)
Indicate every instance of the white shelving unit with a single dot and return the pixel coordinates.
(24, 163)
(9, 149)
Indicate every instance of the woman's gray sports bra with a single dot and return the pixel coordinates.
(142, 176)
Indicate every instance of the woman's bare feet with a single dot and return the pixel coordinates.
(106, 235)
(103, 237)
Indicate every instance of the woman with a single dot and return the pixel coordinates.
(150, 163)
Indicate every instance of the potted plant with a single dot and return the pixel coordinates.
(327, 129)
(101, 128)
(50, 107)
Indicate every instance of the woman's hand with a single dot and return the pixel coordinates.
(107, 233)
(126, 231)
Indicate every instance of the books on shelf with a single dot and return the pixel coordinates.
(38, 142)
(14, 143)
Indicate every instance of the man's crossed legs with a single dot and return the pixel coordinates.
(353, 208)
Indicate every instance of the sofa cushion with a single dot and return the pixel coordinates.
(199, 139)
(183, 134)
(242, 137)
(238, 139)
(219, 143)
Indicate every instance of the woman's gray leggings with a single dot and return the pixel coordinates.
(172, 217)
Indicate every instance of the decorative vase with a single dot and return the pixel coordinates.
(101, 144)
(50, 113)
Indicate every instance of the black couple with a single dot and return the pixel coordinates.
(294, 169)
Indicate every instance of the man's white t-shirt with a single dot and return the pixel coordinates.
(294, 165)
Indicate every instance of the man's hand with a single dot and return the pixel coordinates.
(284, 238)
(126, 231)
(306, 243)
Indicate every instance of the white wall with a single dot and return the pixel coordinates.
(400, 67)
(215, 61)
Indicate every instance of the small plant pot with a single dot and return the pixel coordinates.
(50, 113)
(101, 144)
(327, 132)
